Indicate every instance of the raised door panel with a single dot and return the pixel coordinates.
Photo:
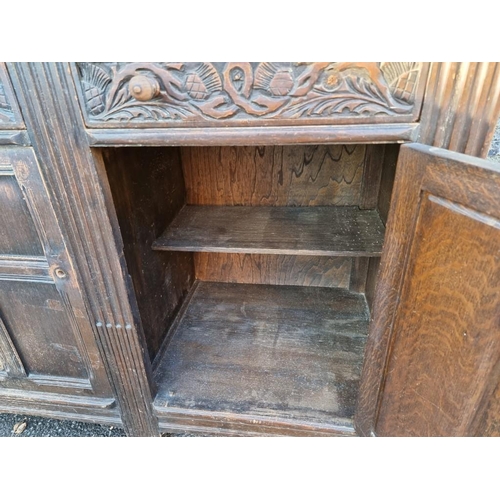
(10, 116)
(204, 94)
(47, 344)
(432, 364)
(18, 235)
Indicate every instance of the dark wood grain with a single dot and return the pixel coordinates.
(292, 354)
(432, 361)
(148, 192)
(447, 321)
(273, 269)
(274, 176)
(320, 231)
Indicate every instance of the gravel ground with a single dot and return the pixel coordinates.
(47, 427)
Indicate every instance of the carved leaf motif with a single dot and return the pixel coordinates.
(241, 91)
(402, 78)
(95, 82)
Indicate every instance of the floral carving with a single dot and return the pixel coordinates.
(205, 92)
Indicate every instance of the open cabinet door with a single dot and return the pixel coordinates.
(432, 363)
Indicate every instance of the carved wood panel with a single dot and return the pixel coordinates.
(10, 117)
(45, 340)
(205, 94)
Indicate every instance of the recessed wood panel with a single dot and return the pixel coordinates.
(275, 175)
(36, 321)
(148, 191)
(18, 234)
(447, 344)
(273, 269)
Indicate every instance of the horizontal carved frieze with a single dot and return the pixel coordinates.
(205, 94)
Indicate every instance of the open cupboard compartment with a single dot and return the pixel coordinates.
(254, 270)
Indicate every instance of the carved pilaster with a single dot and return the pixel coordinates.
(48, 99)
(461, 107)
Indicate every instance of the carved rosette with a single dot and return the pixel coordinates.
(201, 94)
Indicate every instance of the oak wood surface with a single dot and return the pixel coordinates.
(432, 361)
(302, 270)
(276, 352)
(320, 231)
(448, 335)
(276, 176)
(148, 192)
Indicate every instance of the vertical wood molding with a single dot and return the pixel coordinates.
(461, 107)
(48, 100)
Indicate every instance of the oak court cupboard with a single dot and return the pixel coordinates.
(251, 248)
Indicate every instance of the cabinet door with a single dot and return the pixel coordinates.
(47, 350)
(432, 365)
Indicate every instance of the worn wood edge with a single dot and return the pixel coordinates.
(50, 380)
(57, 399)
(243, 424)
(390, 280)
(445, 154)
(162, 243)
(266, 251)
(256, 136)
(14, 138)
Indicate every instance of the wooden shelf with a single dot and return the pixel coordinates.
(263, 358)
(321, 231)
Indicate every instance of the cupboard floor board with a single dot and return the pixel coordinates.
(322, 231)
(255, 357)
